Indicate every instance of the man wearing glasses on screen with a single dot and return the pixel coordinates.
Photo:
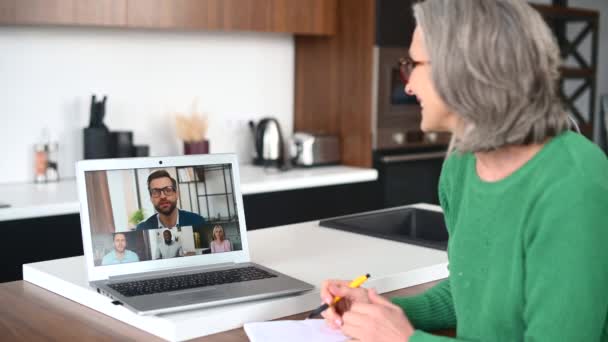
(163, 194)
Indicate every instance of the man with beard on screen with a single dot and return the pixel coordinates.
(120, 254)
(163, 194)
(168, 248)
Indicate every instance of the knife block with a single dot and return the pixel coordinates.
(97, 143)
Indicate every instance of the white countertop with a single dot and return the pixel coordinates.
(305, 251)
(29, 200)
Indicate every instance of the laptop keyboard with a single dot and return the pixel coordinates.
(190, 281)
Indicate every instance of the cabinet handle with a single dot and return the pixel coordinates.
(412, 157)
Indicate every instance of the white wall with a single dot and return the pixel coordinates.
(47, 76)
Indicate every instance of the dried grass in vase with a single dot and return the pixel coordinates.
(191, 128)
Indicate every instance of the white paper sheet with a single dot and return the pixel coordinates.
(293, 331)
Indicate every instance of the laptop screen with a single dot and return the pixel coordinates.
(139, 215)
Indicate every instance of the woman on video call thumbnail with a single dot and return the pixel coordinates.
(220, 243)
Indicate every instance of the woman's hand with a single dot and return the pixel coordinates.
(379, 320)
(339, 288)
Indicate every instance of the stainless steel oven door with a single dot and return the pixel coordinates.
(396, 114)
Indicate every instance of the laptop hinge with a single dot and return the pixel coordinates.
(168, 271)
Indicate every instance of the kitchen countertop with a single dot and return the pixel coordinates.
(30, 200)
(305, 251)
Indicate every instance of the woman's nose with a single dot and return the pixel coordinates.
(408, 89)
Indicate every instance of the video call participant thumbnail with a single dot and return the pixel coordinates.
(220, 244)
(169, 248)
(120, 254)
(163, 195)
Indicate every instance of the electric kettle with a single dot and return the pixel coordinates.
(268, 143)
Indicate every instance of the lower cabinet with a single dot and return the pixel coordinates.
(38, 239)
(54, 237)
(286, 207)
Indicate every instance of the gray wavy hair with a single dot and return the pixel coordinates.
(495, 64)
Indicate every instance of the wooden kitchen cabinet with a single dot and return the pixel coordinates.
(316, 17)
(162, 14)
(100, 12)
(333, 82)
(54, 12)
(303, 17)
(200, 14)
(67, 12)
(7, 11)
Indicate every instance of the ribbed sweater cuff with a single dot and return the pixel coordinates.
(421, 336)
(427, 314)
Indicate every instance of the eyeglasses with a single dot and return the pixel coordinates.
(168, 191)
(406, 66)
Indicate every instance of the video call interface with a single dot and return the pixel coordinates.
(139, 215)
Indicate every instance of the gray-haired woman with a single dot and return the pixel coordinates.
(525, 199)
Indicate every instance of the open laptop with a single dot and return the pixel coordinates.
(165, 234)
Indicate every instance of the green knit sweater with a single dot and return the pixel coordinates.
(528, 254)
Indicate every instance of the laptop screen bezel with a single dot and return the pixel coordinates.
(104, 272)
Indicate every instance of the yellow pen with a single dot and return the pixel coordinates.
(353, 284)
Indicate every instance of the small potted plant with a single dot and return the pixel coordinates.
(136, 217)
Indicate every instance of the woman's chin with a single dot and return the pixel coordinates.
(432, 127)
(425, 127)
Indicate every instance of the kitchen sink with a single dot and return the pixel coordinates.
(406, 224)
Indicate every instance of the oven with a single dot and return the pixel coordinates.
(408, 160)
(396, 115)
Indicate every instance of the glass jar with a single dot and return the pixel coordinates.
(40, 163)
(52, 168)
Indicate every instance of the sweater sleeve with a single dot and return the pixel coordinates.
(566, 267)
(432, 310)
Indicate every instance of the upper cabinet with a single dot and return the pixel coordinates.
(305, 17)
(64, 12)
(198, 14)
(100, 12)
(7, 12)
(59, 12)
(317, 17)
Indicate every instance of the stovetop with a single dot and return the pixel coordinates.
(405, 224)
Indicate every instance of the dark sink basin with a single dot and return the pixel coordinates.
(410, 225)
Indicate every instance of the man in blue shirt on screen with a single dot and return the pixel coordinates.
(163, 194)
(120, 254)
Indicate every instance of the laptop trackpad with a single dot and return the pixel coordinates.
(206, 294)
